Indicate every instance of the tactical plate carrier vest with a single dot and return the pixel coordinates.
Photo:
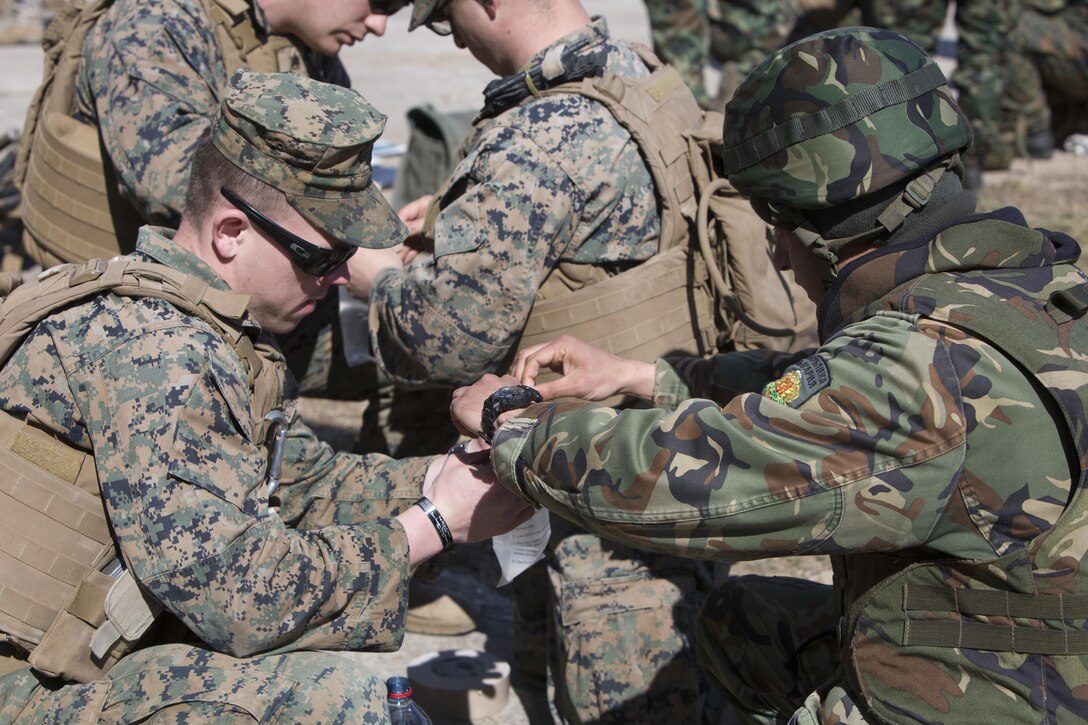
(712, 274)
(71, 208)
(712, 285)
(64, 597)
(1019, 621)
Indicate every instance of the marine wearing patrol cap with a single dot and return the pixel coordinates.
(312, 141)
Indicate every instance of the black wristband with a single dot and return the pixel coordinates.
(439, 522)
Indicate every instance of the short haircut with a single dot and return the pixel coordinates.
(211, 170)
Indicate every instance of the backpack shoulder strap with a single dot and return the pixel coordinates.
(658, 111)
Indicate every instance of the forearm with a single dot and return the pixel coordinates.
(271, 588)
(719, 378)
(322, 487)
(417, 341)
(669, 481)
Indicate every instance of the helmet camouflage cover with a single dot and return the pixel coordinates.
(839, 115)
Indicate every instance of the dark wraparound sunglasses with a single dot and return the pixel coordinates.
(439, 21)
(313, 260)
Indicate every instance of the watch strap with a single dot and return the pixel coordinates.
(503, 400)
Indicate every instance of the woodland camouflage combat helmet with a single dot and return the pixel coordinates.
(837, 118)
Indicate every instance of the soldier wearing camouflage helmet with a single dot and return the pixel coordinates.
(935, 444)
(146, 396)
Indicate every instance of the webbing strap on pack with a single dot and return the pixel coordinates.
(839, 115)
(1054, 613)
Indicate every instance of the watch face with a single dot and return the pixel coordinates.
(514, 397)
(504, 400)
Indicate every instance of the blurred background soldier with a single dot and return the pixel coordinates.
(22, 21)
(680, 32)
(984, 28)
(1047, 98)
(951, 343)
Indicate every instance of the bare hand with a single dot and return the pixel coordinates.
(589, 373)
(468, 402)
(469, 498)
(365, 266)
(414, 213)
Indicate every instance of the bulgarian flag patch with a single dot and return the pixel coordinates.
(800, 382)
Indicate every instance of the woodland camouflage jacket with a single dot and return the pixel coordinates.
(901, 435)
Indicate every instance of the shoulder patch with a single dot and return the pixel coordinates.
(800, 382)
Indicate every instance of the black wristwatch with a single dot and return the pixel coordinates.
(503, 400)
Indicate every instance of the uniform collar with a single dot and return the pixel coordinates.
(157, 244)
(997, 240)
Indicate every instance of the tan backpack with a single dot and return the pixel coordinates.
(712, 286)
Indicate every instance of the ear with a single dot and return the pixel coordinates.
(229, 227)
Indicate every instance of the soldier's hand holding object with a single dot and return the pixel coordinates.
(413, 213)
(467, 407)
(469, 506)
(365, 266)
(589, 373)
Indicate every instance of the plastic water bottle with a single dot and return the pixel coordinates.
(403, 710)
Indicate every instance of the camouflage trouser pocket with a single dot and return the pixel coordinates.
(189, 684)
(624, 649)
(185, 684)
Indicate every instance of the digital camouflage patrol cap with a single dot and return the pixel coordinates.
(839, 115)
(313, 142)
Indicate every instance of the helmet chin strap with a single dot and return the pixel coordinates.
(914, 197)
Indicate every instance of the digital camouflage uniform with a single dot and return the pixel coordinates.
(151, 81)
(545, 182)
(1048, 71)
(897, 447)
(163, 400)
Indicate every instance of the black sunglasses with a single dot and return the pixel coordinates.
(313, 260)
(439, 20)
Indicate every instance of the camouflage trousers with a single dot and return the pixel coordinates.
(184, 684)
(744, 32)
(1048, 73)
(770, 644)
(680, 30)
(984, 28)
(617, 627)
